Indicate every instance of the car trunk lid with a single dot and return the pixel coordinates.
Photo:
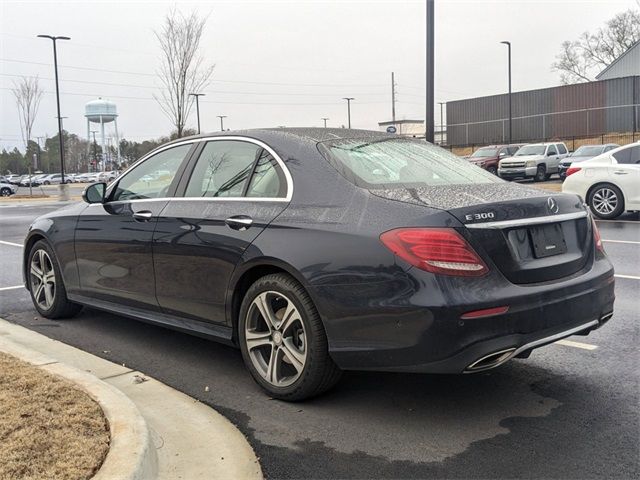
(531, 236)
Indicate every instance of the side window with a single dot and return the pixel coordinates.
(629, 156)
(268, 179)
(623, 156)
(152, 178)
(223, 169)
(610, 147)
(552, 150)
(562, 149)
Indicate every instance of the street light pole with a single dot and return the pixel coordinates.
(325, 121)
(508, 44)
(429, 114)
(64, 192)
(221, 122)
(348, 99)
(197, 107)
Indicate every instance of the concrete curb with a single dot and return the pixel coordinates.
(157, 432)
(131, 453)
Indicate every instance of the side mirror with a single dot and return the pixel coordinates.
(94, 193)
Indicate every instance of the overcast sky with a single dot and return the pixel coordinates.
(282, 62)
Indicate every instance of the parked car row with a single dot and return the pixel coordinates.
(538, 161)
(56, 178)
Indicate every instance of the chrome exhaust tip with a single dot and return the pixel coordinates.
(490, 361)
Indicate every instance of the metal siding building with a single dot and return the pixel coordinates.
(578, 110)
(625, 65)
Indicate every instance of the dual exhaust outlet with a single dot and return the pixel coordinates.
(496, 359)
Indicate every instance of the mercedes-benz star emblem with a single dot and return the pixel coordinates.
(553, 206)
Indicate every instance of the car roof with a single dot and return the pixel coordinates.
(308, 134)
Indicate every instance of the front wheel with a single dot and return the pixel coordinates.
(606, 201)
(541, 173)
(492, 170)
(5, 192)
(283, 341)
(47, 289)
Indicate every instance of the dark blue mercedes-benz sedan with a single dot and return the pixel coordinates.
(322, 250)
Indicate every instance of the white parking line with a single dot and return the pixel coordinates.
(571, 343)
(621, 241)
(2, 289)
(11, 244)
(618, 221)
(629, 277)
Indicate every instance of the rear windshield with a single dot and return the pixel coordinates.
(530, 150)
(397, 162)
(485, 152)
(588, 151)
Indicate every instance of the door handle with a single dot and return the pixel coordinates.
(239, 222)
(142, 216)
(620, 172)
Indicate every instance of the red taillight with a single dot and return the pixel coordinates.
(436, 250)
(572, 170)
(597, 239)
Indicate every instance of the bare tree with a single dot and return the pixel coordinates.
(183, 69)
(28, 95)
(580, 60)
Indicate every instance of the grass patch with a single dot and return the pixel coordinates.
(49, 428)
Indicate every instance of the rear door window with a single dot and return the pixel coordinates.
(562, 149)
(628, 156)
(223, 169)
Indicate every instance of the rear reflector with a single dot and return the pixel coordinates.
(487, 312)
(436, 250)
(572, 170)
(596, 237)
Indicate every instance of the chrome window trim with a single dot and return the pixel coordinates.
(563, 217)
(285, 170)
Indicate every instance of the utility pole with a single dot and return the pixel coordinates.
(221, 117)
(325, 121)
(441, 121)
(348, 99)
(508, 44)
(197, 107)
(393, 98)
(429, 114)
(64, 190)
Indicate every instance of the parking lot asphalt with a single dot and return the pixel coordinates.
(569, 411)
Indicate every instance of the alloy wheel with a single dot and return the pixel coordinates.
(43, 279)
(605, 201)
(276, 339)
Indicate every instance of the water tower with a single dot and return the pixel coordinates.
(102, 111)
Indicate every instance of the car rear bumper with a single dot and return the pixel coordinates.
(406, 334)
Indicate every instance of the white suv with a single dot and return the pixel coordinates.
(609, 183)
(536, 160)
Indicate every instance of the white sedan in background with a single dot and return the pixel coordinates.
(609, 183)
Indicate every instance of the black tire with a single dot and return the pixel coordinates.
(595, 201)
(319, 373)
(541, 173)
(492, 170)
(47, 182)
(60, 307)
(5, 192)
(547, 176)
